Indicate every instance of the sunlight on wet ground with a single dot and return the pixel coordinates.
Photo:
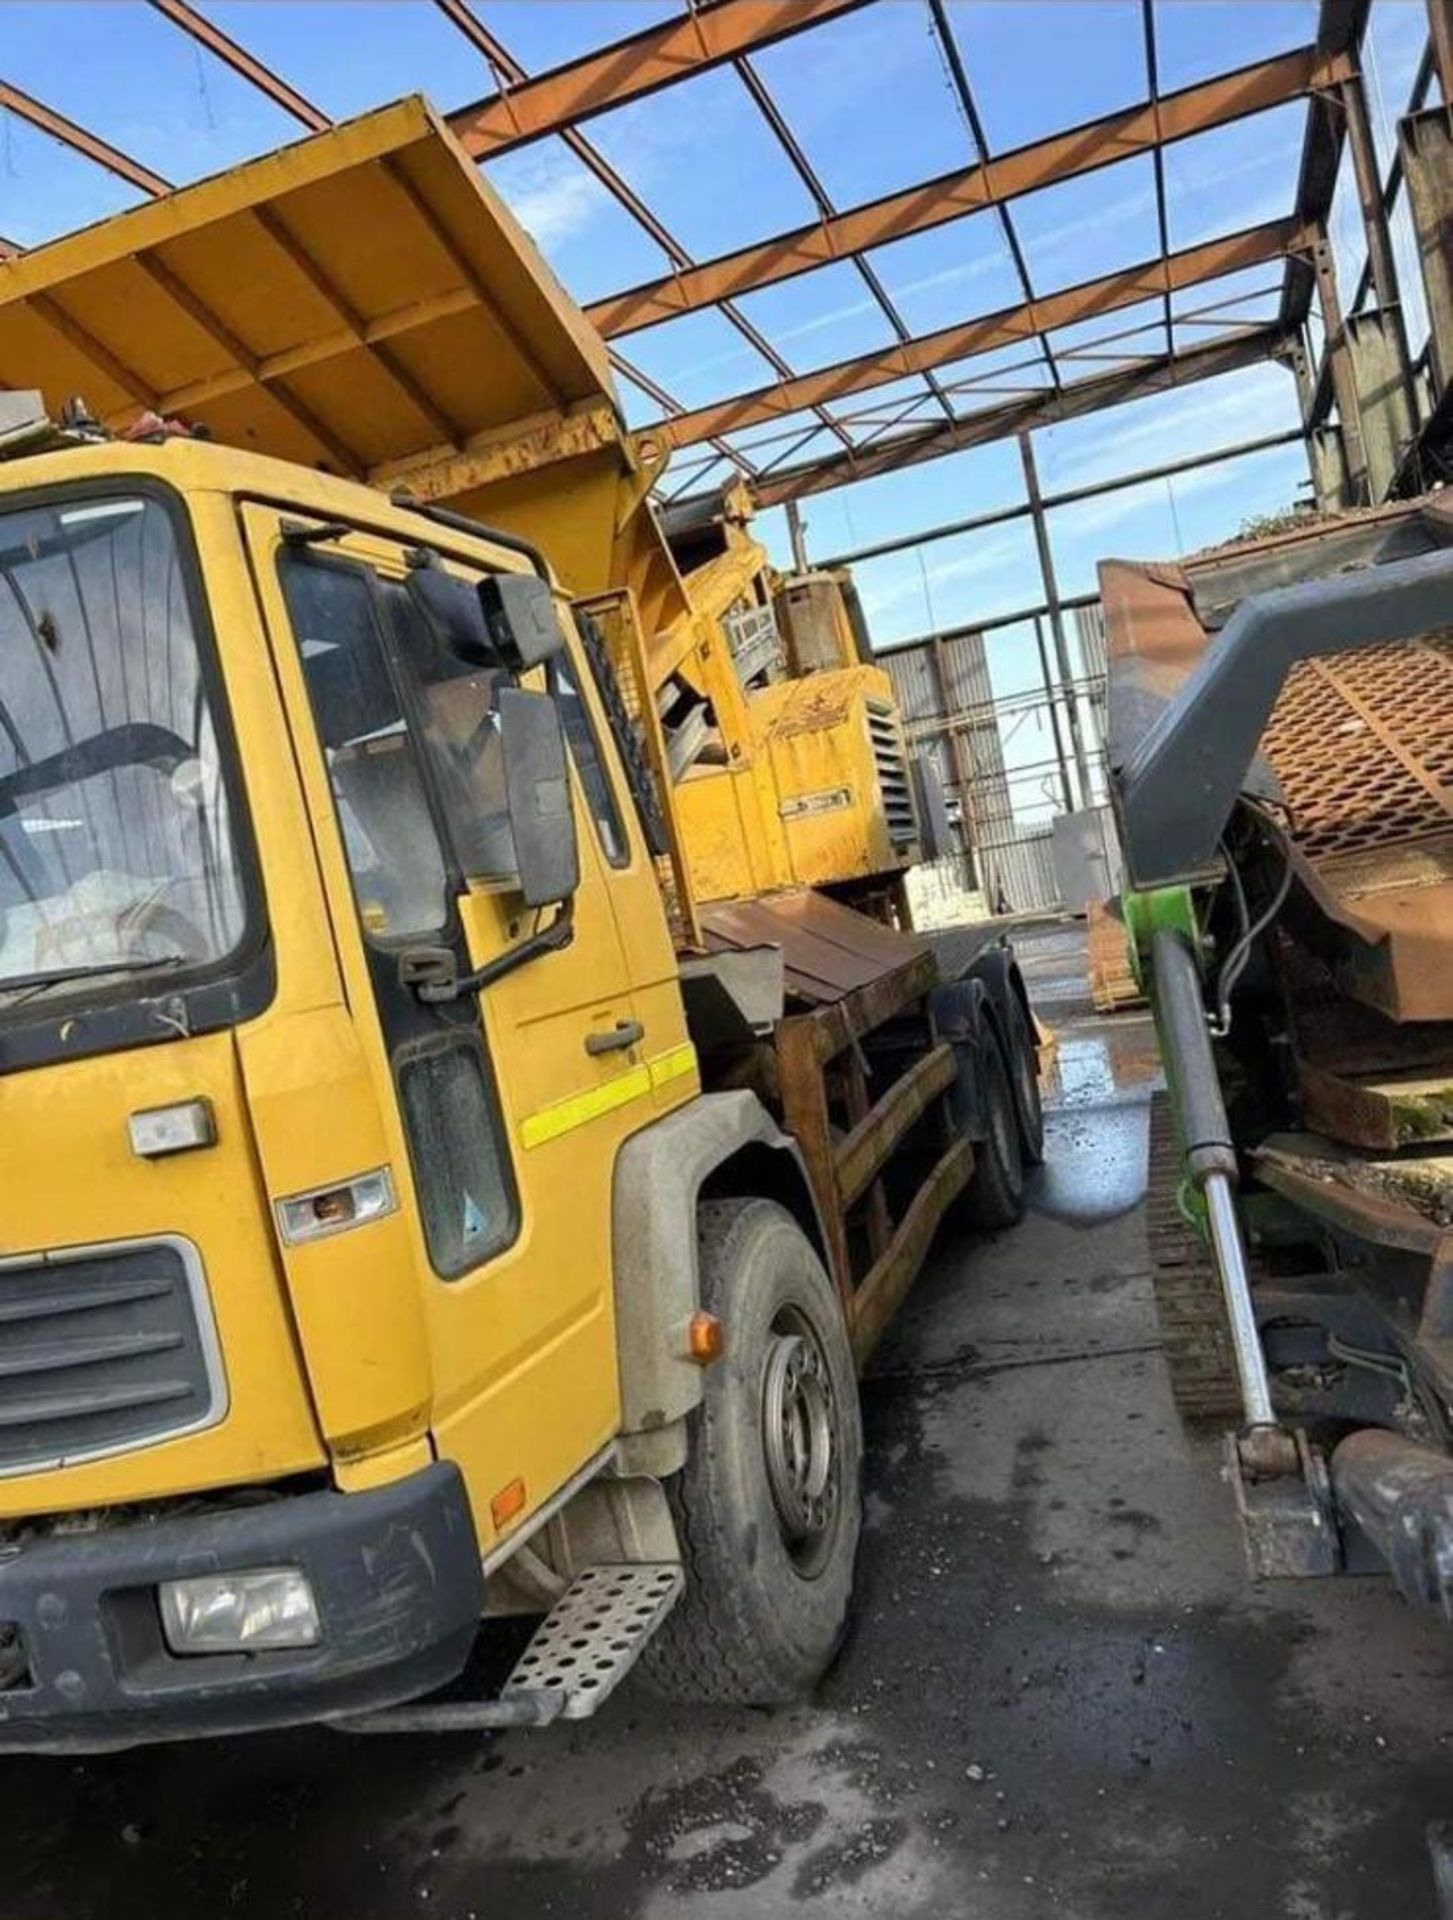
(1104, 1060)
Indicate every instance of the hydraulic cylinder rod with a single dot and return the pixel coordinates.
(1210, 1156)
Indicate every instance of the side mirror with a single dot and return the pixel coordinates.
(453, 614)
(519, 612)
(537, 792)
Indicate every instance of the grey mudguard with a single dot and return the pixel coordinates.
(1177, 788)
(659, 1175)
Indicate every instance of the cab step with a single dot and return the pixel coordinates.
(577, 1657)
(593, 1635)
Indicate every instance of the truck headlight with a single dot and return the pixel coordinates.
(259, 1609)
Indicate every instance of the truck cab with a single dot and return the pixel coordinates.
(274, 1219)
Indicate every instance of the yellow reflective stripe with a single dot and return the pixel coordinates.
(579, 1109)
(671, 1066)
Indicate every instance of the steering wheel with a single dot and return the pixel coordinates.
(176, 931)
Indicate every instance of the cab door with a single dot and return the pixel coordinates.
(508, 1106)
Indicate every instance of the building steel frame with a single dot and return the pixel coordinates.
(710, 34)
(1369, 420)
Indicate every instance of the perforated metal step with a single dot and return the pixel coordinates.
(593, 1635)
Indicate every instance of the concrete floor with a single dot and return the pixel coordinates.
(1061, 1697)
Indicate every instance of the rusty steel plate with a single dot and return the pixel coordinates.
(1360, 744)
(828, 950)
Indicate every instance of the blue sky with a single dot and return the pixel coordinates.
(869, 98)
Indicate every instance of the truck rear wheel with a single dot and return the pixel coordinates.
(994, 1197)
(1024, 1073)
(767, 1506)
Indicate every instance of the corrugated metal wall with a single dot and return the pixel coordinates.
(1012, 859)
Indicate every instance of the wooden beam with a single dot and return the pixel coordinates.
(862, 1156)
(1076, 398)
(983, 334)
(888, 1280)
(707, 36)
(932, 203)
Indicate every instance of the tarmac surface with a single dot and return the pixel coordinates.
(1061, 1696)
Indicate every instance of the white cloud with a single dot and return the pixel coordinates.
(550, 194)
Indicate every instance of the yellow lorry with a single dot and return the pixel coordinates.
(466, 1109)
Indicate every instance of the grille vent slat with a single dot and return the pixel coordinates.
(893, 780)
(101, 1350)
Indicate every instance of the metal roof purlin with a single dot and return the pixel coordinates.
(1162, 221)
(932, 203)
(703, 37)
(958, 73)
(980, 334)
(506, 65)
(787, 140)
(1076, 398)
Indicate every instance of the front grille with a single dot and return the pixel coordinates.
(102, 1349)
(892, 766)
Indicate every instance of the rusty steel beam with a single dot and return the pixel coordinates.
(984, 333)
(932, 203)
(509, 73)
(80, 140)
(1440, 27)
(207, 35)
(1042, 409)
(629, 69)
(1341, 25)
(959, 78)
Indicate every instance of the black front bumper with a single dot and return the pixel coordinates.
(395, 1573)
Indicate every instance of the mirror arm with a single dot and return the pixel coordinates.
(551, 939)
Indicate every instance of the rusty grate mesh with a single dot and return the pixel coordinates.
(1363, 747)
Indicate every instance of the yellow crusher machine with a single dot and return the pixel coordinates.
(468, 1100)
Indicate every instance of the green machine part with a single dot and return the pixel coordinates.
(1145, 915)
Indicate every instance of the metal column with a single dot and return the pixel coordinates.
(1054, 726)
(1425, 141)
(1056, 617)
(1440, 26)
(961, 771)
(798, 537)
(1339, 359)
(1377, 335)
(1325, 462)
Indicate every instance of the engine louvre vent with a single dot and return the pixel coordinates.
(893, 777)
(103, 1349)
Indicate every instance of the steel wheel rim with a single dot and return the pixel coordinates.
(800, 1440)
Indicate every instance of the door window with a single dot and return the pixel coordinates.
(589, 766)
(464, 1195)
(458, 720)
(389, 836)
(401, 879)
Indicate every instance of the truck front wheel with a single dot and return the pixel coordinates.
(767, 1506)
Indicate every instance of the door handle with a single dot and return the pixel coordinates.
(625, 1033)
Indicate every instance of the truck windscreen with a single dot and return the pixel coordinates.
(117, 853)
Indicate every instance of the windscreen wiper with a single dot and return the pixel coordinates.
(28, 983)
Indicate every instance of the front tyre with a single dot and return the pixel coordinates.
(768, 1505)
